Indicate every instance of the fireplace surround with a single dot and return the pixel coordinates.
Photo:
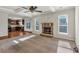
(47, 29)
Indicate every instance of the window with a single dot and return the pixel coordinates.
(37, 24)
(28, 24)
(63, 24)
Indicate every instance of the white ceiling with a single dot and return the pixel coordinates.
(21, 11)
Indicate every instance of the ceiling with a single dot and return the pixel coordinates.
(45, 9)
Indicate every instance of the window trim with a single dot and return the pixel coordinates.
(36, 19)
(28, 26)
(63, 25)
(25, 25)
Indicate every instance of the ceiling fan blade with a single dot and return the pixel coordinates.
(37, 11)
(18, 9)
(34, 7)
(24, 7)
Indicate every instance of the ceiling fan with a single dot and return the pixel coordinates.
(32, 9)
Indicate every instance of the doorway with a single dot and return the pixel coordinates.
(15, 27)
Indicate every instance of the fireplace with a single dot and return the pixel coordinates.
(47, 29)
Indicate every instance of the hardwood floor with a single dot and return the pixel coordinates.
(38, 44)
(14, 34)
(17, 33)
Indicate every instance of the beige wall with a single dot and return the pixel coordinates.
(53, 17)
(71, 24)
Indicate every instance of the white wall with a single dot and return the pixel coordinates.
(77, 26)
(3, 24)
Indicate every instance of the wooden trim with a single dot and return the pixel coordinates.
(64, 39)
(28, 31)
(3, 37)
